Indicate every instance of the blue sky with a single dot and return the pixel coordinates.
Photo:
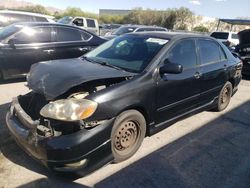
(211, 8)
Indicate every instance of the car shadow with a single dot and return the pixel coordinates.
(12, 81)
(215, 155)
(51, 183)
(245, 77)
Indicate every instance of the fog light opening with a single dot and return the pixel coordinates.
(72, 166)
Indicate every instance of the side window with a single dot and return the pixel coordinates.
(160, 29)
(33, 35)
(85, 35)
(141, 30)
(64, 34)
(90, 23)
(209, 51)
(222, 54)
(78, 22)
(183, 53)
(40, 19)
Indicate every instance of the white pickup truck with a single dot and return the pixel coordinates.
(88, 24)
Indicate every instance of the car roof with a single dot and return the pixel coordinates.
(168, 35)
(142, 26)
(33, 24)
(224, 32)
(25, 13)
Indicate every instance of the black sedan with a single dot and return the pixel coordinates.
(85, 112)
(24, 44)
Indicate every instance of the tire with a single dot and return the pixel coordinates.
(127, 134)
(224, 97)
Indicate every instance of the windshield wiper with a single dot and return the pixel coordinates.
(110, 65)
(104, 63)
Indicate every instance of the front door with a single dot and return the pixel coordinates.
(179, 93)
(30, 45)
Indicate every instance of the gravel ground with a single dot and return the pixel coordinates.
(209, 149)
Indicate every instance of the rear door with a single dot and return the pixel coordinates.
(31, 46)
(179, 93)
(213, 66)
(71, 42)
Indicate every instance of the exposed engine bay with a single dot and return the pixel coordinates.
(32, 103)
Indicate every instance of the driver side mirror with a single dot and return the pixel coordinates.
(12, 43)
(171, 68)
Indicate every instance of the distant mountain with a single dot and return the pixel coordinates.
(14, 4)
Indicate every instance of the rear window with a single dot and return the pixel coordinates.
(90, 23)
(235, 36)
(220, 35)
(40, 19)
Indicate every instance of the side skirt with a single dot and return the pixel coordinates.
(158, 127)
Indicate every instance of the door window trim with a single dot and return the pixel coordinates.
(15, 34)
(56, 42)
(176, 43)
(212, 62)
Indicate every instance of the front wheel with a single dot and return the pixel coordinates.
(224, 97)
(127, 134)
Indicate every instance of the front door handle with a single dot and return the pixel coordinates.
(48, 51)
(197, 75)
(84, 49)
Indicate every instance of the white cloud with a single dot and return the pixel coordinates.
(196, 2)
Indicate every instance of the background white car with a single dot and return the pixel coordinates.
(227, 38)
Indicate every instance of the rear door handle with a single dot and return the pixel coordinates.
(48, 51)
(197, 75)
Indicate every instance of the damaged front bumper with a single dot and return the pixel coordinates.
(82, 151)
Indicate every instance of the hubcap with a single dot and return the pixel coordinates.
(126, 136)
(225, 95)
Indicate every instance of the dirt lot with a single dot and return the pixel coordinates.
(207, 150)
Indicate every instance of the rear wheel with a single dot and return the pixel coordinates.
(127, 134)
(224, 97)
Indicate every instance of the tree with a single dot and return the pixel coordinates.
(184, 16)
(72, 11)
(201, 29)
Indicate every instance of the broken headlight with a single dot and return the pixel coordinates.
(69, 109)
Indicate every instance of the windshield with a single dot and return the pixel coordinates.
(220, 35)
(123, 30)
(128, 52)
(8, 31)
(65, 20)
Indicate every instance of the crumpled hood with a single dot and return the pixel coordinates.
(53, 78)
(244, 37)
